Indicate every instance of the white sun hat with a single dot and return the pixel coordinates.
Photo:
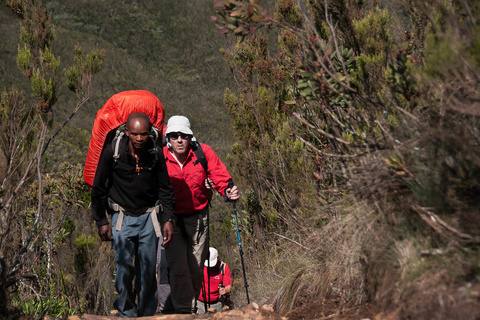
(178, 124)
(213, 258)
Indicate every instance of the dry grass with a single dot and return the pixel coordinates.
(434, 296)
(331, 259)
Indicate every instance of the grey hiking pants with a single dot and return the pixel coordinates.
(163, 284)
(135, 241)
(201, 307)
(186, 254)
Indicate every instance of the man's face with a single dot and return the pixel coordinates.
(137, 132)
(180, 142)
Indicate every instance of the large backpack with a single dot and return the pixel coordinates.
(112, 115)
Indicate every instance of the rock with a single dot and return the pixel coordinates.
(253, 311)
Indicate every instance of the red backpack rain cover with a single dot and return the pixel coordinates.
(115, 113)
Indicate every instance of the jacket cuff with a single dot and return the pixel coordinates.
(169, 220)
(102, 222)
(167, 217)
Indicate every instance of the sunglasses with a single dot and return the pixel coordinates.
(175, 135)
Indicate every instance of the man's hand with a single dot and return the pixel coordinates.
(232, 193)
(105, 232)
(167, 232)
(209, 183)
(224, 290)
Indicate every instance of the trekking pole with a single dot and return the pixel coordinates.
(240, 244)
(207, 294)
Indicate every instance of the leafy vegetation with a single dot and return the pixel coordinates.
(35, 225)
(355, 143)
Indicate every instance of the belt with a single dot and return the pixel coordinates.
(153, 213)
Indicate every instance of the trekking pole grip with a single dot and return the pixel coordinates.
(230, 186)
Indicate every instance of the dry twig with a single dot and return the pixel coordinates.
(443, 228)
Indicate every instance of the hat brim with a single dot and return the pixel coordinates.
(213, 262)
(179, 128)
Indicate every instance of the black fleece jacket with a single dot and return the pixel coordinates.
(133, 189)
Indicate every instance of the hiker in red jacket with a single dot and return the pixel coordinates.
(128, 187)
(187, 251)
(217, 284)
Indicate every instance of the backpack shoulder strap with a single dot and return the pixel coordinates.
(222, 268)
(154, 134)
(116, 144)
(197, 148)
(157, 149)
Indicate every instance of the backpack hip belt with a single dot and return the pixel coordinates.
(153, 213)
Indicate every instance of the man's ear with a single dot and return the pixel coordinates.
(166, 142)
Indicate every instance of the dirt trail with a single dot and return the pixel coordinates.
(251, 312)
(328, 309)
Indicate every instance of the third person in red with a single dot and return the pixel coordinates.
(217, 284)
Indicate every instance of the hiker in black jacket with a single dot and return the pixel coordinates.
(129, 187)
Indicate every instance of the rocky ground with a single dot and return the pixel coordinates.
(250, 312)
(328, 309)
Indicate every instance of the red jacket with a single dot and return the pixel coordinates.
(189, 183)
